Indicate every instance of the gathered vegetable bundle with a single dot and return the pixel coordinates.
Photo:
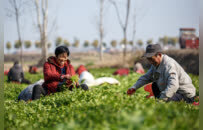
(69, 84)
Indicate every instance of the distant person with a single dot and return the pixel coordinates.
(6, 72)
(33, 69)
(57, 71)
(169, 81)
(138, 68)
(122, 72)
(16, 74)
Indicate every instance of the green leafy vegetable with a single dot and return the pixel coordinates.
(105, 107)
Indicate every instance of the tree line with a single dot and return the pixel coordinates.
(95, 43)
(40, 8)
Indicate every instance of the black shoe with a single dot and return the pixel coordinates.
(84, 87)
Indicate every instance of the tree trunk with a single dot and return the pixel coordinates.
(125, 44)
(44, 38)
(20, 40)
(42, 29)
(134, 31)
(125, 30)
(18, 30)
(44, 53)
(123, 26)
(101, 29)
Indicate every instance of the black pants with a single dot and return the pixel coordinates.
(25, 81)
(83, 86)
(176, 97)
(38, 90)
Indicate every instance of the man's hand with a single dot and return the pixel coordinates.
(131, 91)
(163, 97)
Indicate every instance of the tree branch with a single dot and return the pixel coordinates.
(127, 14)
(53, 26)
(38, 15)
(134, 25)
(117, 12)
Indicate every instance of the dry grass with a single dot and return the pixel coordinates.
(186, 58)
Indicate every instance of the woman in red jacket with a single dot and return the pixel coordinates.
(57, 70)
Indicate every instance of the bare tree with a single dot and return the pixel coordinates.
(16, 10)
(131, 43)
(101, 29)
(42, 26)
(134, 29)
(123, 25)
(49, 45)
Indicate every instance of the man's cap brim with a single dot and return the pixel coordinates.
(148, 55)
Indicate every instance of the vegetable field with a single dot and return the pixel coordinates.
(102, 107)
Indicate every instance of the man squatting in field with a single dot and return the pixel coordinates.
(57, 70)
(169, 81)
(16, 74)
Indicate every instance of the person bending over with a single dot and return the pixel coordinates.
(16, 74)
(169, 80)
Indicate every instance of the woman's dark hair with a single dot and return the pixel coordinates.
(61, 49)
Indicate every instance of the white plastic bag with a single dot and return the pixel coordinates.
(89, 79)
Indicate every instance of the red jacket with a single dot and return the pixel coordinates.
(52, 74)
(81, 69)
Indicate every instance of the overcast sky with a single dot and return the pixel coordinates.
(78, 19)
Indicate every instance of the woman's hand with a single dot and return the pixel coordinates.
(67, 76)
(77, 84)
